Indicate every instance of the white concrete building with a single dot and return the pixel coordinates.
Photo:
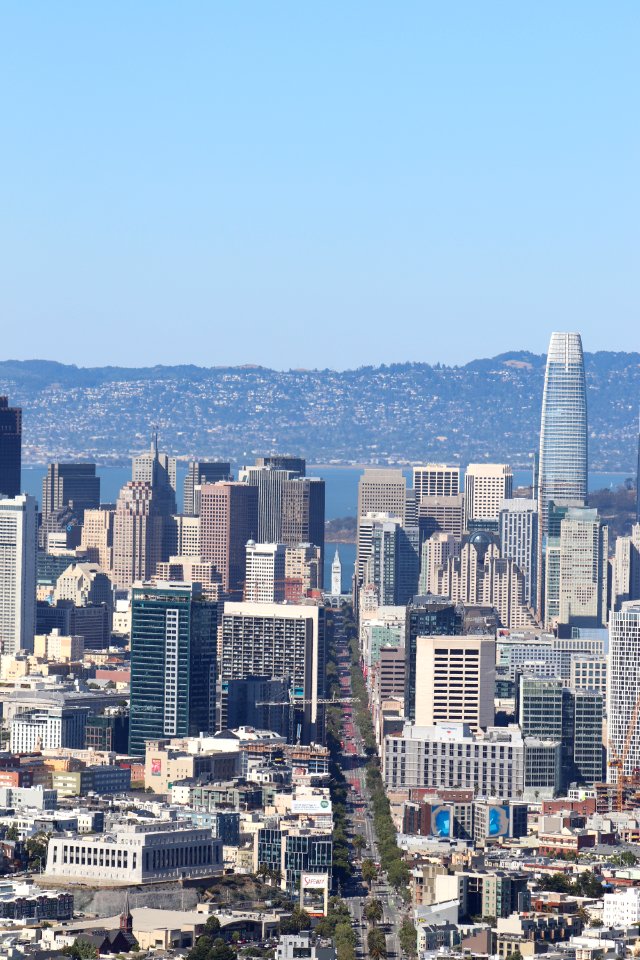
(622, 909)
(135, 853)
(46, 729)
(436, 480)
(265, 572)
(623, 685)
(336, 576)
(18, 543)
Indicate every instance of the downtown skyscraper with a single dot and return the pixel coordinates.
(562, 472)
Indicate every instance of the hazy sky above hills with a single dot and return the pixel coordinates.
(328, 184)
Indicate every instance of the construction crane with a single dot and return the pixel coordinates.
(299, 702)
(616, 761)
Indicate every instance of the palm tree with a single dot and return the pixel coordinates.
(377, 945)
(359, 843)
(263, 871)
(373, 911)
(275, 876)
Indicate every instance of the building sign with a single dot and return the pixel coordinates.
(311, 805)
(314, 893)
(156, 767)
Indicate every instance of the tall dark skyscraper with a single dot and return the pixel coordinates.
(278, 461)
(10, 448)
(303, 512)
(67, 491)
(173, 663)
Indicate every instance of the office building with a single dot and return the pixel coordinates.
(302, 571)
(380, 491)
(192, 570)
(303, 501)
(18, 542)
(393, 564)
(486, 485)
(277, 461)
(97, 536)
(92, 622)
(228, 520)
(584, 550)
(142, 533)
(186, 540)
(10, 449)
(435, 553)
(277, 641)
(135, 854)
(261, 703)
(425, 616)
(455, 680)
(173, 663)
(626, 569)
(336, 575)
(68, 490)
(199, 472)
(549, 710)
(441, 515)
(158, 470)
(518, 520)
(562, 470)
(265, 578)
(588, 673)
(270, 484)
(436, 480)
(623, 691)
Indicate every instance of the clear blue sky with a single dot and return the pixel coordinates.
(317, 184)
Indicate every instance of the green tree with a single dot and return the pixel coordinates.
(12, 833)
(36, 847)
(377, 944)
(408, 937)
(212, 927)
(369, 871)
(81, 950)
(299, 920)
(373, 911)
(359, 843)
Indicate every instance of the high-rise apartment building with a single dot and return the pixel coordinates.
(584, 550)
(626, 569)
(199, 472)
(10, 448)
(436, 480)
(68, 490)
(159, 470)
(277, 641)
(623, 689)
(265, 577)
(173, 664)
(141, 534)
(455, 680)
(270, 485)
(518, 520)
(18, 542)
(562, 471)
(228, 520)
(303, 501)
(380, 491)
(486, 485)
(97, 536)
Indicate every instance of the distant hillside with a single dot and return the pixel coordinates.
(487, 409)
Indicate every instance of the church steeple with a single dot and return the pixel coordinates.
(126, 918)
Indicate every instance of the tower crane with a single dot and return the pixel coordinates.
(616, 761)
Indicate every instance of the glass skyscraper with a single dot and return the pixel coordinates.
(563, 429)
(173, 663)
